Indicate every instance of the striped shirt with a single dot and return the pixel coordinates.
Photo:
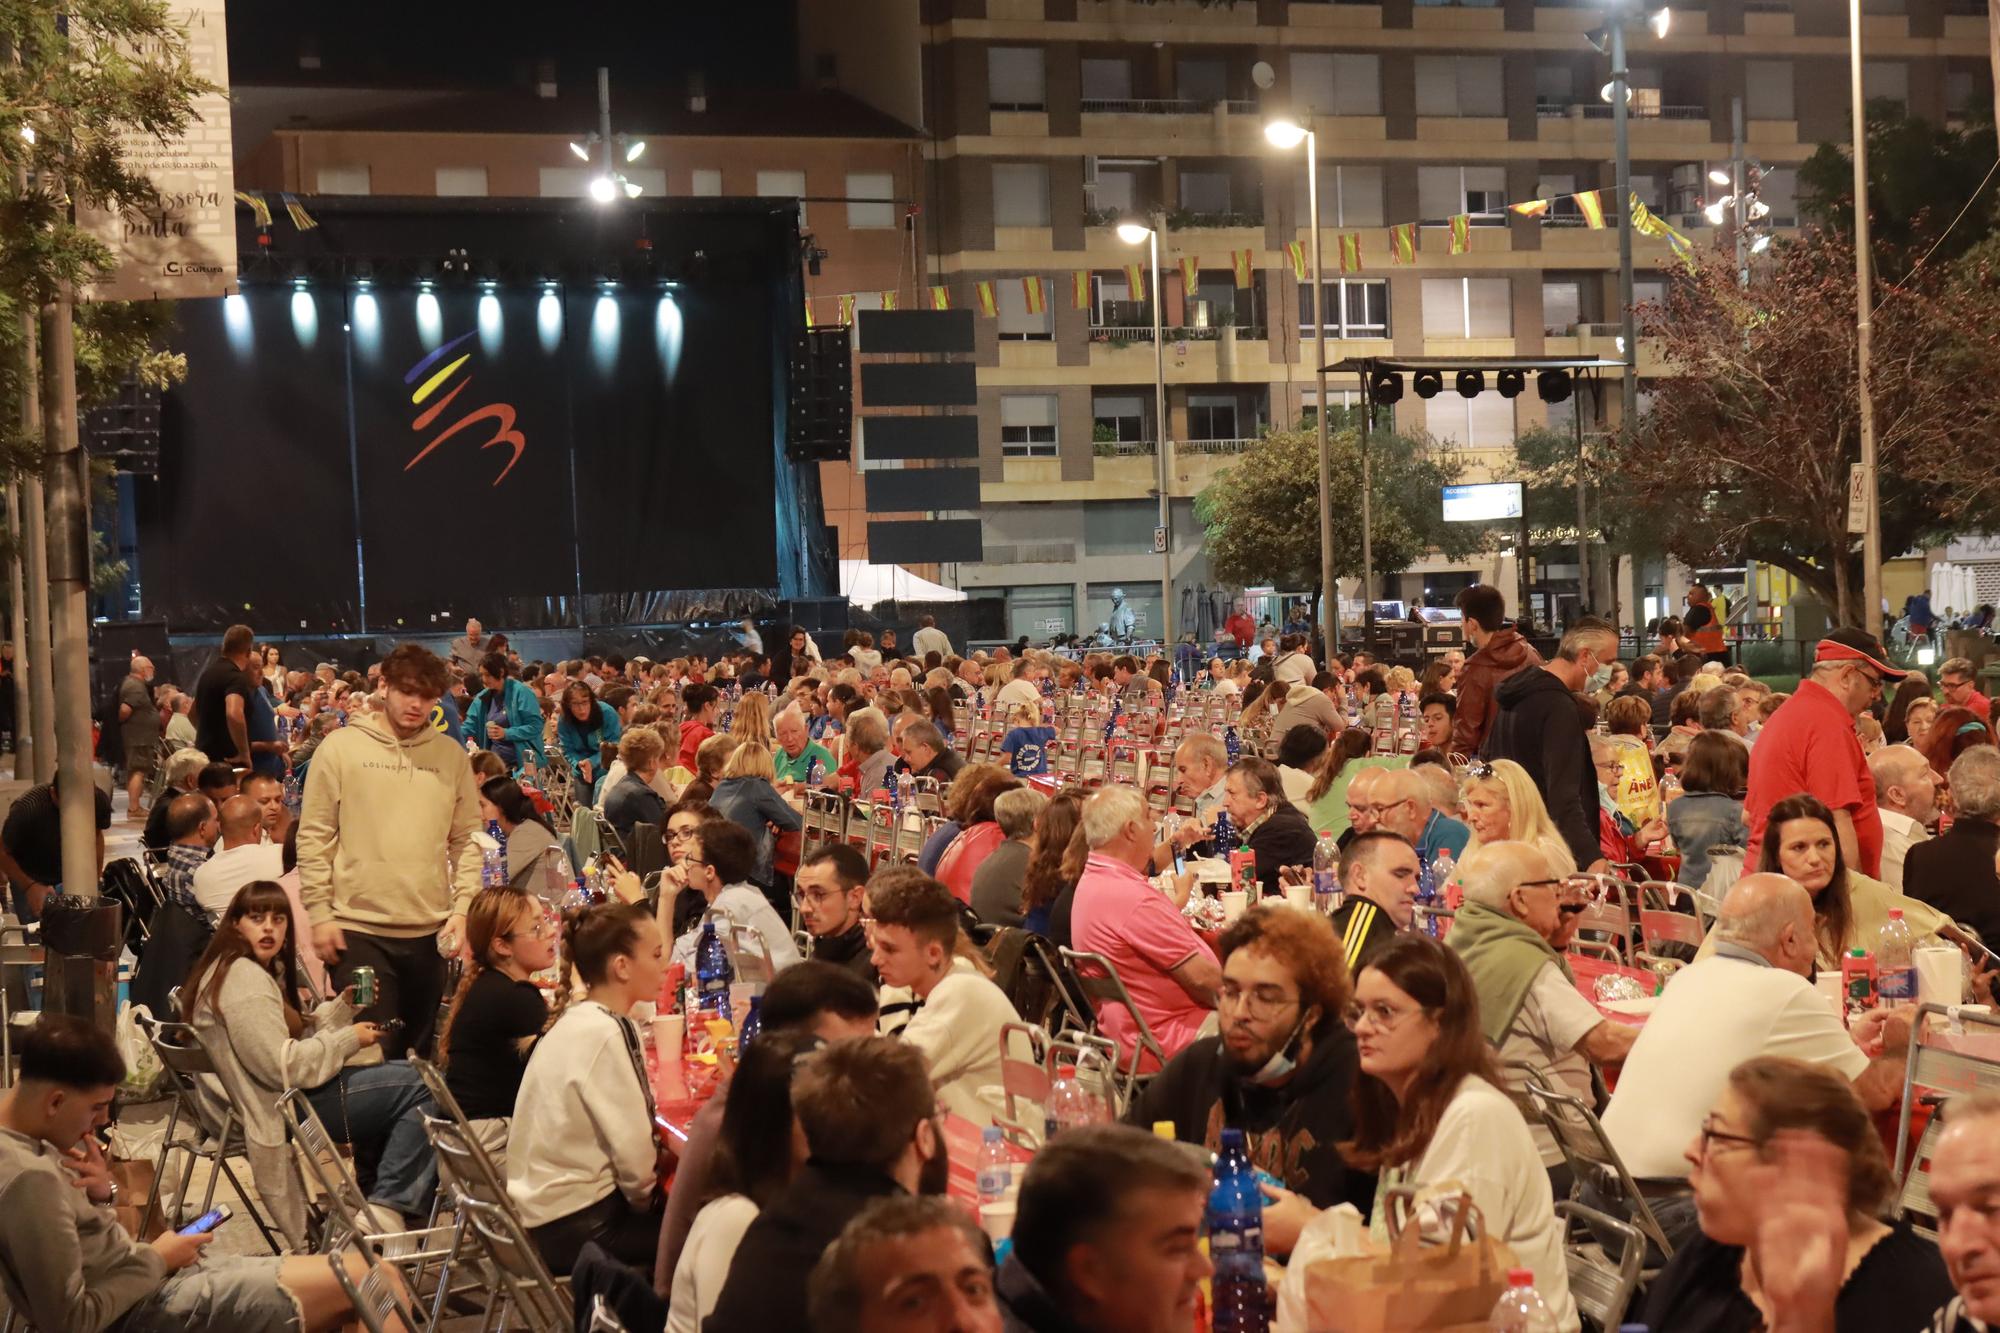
(1953, 1319)
(1363, 927)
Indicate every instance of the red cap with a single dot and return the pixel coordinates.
(1856, 648)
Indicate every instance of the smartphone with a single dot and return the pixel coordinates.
(209, 1220)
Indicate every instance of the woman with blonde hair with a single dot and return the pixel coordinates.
(746, 794)
(753, 718)
(1503, 805)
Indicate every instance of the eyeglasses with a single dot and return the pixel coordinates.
(814, 897)
(1384, 1017)
(693, 861)
(681, 834)
(543, 927)
(1710, 1136)
(1550, 884)
(1479, 768)
(1257, 1001)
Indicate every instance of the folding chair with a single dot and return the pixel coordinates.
(1023, 1081)
(1587, 1148)
(523, 1280)
(608, 841)
(376, 1299)
(1933, 1069)
(1601, 1285)
(1609, 919)
(343, 1207)
(1668, 915)
(555, 782)
(184, 1058)
(20, 948)
(1100, 983)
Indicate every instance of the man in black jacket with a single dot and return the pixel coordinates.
(1266, 822)
(830, 886)
(1281, 1069)
(1954, 872)
(1540, 726)
(871, 1126)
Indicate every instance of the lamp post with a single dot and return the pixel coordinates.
(1288, 134)
(1871, 513)
(1133, 232)
(608, 151)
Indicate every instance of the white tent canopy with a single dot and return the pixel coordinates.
(1954, 588)
(864, 585)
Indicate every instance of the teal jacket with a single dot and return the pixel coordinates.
(523, 738)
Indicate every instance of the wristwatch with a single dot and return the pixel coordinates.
(111, 1201)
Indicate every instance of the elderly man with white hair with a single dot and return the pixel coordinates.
(1906, 796)
(1955, 873)
(1529, 1007)
(797, 751)
(866, 756)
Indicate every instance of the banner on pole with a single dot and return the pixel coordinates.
(1857, 498)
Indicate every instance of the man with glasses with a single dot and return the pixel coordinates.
(1960, 691)
(718, 867)
(831, 885)
(1281, 1068)
(1529, 1007)
(1403, 799)
(1810, 746)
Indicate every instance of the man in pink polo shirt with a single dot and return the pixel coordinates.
(1169, 971)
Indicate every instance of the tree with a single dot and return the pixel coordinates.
(1920, 178)
(1262, 513)
(1747, 447)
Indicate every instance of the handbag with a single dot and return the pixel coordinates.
(1412, 1285)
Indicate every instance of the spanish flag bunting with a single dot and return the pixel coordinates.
(1591, 204)
(1646, 223)
(1241, 260)
(1530, 208)
(1079, 289)
(1190, 273)
(1350, 252)
(1033, 293)
(1461, 233)
(888, 300)
(259, 206)
(1297, 251)
(847, 310)
(297, 212)
(1135, 282)
(940, 298)
(1403, 242)
(989, 306)
(809, 312)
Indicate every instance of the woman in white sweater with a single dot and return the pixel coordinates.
(1428, 1109)
(745, 1173)
(582, 1156)
(242, 1000)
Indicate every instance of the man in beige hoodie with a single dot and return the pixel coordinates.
(386, 861)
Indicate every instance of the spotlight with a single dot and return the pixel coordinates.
(1285, 134)
(1471, 383)
(1385, 386)
(1133, 233)
(603, 189)
(1660, 20)
(1553, 385)
(1719, 177)
(1510, 383)
(1600, 39)
(1715, 211)
(636, 150)
(633, 189)
(1604, 93)
(582, 153)
(1427, 383)
(1759, 210)
(1761, 244)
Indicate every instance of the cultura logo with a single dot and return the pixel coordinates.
(501, 414)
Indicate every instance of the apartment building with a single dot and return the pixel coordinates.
(1045, 120)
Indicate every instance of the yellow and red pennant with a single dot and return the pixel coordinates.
(1296, 250)
(1135, 282)
(1079, 289)
(888, 300)
(1530, 208)
(1591, 204)
(1403, 243)
(1350, 252)
(1035, 293)
(1190, 273)
(1461, 233)
(846, 310)
(989, 304)
(1243, 262)
(940, 298)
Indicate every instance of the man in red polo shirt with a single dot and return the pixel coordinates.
(1241, 627)
(1960, 691)
(1809, 745)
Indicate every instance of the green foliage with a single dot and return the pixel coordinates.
(1261, 514)
(1920, 176)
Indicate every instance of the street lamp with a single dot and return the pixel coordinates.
(599, 146)
(1289, 134)
(1134, 232)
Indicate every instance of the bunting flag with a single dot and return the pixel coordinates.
(888, 300)
(809, 312)
(1591, 204)
(940, 298)
(1079, 289)
(1033, 293)
(846, 311)
(1646, 223)
(1403, 242)
(1241, 260)
(1530, 208)
(296, 211)
(1350, 252)
(1461, 234)
(1135, 282)
(989, 305)
(258, 206)
(1297, 251)
(1190, 273)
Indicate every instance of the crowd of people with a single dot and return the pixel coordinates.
(1386, 1043)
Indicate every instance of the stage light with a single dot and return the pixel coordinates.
(430, 319)
(368, 315)
(1660, 21)
(1385, 386)
(633, 189)
(667, 328)
(603, 189)
(1604, 93)
(548, 319)
(1553, 386)
(1134, 233)
(1471, 383)
(636, 151)
(236, 322)
(1510, 383)
(583, 154)
(1285, 134)
(489, 322)
(1427, 383)
(1760, 244)
(1720, 177)
(604, 333)
(305, 316)
(1715, 211)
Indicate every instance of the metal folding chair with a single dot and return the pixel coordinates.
(1609, 919)
(1101, 985)
(1599, 1283)
(343, 1207)
(524, 1281)
(182, 1055)
(20, 951)
(1587, 1148)
(376, 1299)
(1934, 1069)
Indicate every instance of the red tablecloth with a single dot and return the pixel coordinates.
(1587, 970)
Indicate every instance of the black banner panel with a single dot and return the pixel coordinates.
(921, 437)
(906, 490)
(910, 542)
(262, 511)
(673, 416)
(916, 331)
(462, 446)
(918, 384)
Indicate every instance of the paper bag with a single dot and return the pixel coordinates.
(1412, 1286)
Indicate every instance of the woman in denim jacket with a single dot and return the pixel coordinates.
(1709, 811)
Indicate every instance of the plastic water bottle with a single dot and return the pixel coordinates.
(712, 969)
(1895, 966)
(1443, 867)
(498, 834)
(1428, 892)
(816, 773)
(753, 1026)
(295, 792)
(906, 791)
(1231, 743)
(1235, 1224)
(1326, 873)
(996, 1167)
(528, 767)
(1070, 1104)
(1521, 1308)
(492, 868)
(1225, 833)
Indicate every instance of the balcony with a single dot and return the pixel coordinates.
(1120, 334)
(1030, 553)
(1212, 446)
(1164, 106)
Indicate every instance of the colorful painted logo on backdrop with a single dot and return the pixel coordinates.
(502, 415)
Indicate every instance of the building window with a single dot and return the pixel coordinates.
(1028, 425)
(1016, 324)
(1337, 84)
(784, 185)
(1555, 89)
(1107, 80)
(706, 183)
(1480, 191)
(1767, 89)
(1562, 306)
(1119, 419)
(1885, 81)
(871, 199)
(1214, 305)
(1779, 192)
(1014, 78)
(343, 180)
(1357, 195)
(1020, 194)
(1468, 308)
(1204, 81)
(1117, 307)
(1484, 422)
(1356, 308)
(1212, 417)
(1459, 86)
(468, 182)
(1559, 188)
(1204, 191)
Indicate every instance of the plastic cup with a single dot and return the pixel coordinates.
(1234, 903)
(997, 1219)
(1300, 896)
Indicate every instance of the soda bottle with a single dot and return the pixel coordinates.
(1326, 873)
(1070, 1104)
(1895, 965)
(1521, 1308)
(996, 1166)
(712, 969)
(1235, 1225)
(1857, 982)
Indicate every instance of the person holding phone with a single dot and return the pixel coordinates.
(241, 998)
(69, 1264)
